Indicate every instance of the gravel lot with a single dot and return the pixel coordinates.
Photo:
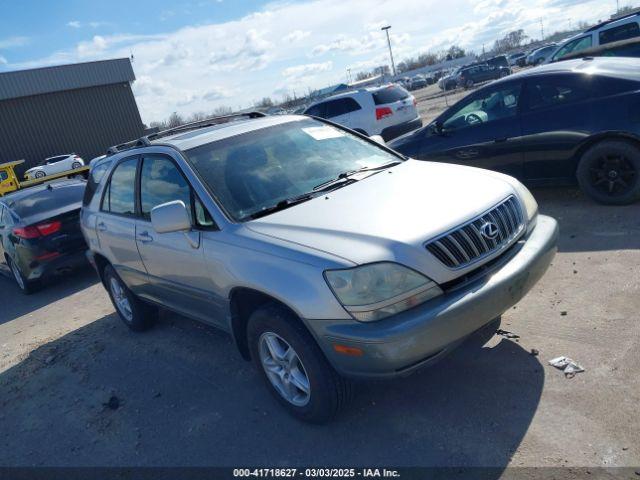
(186, 397)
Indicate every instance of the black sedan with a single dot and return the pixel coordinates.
(577, 120)
(40, 231)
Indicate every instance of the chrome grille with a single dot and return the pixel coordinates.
(466, 244)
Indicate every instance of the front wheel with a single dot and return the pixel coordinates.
(40, 174)
(75, 165)
(609, 172)
(136, 314)
(293, 366)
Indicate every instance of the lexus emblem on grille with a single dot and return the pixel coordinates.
(489, 230)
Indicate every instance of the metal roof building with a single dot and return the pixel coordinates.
(81, 108)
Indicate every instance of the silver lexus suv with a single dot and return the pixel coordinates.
(326, 255)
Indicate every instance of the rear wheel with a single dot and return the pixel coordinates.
(293, 366)
(75, 165)
(609, 172)
(468, 83)
(26, 286)
(40, 174)
(136, 314)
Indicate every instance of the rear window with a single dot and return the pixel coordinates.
(623, 32)
(389, 95)
(57, 196)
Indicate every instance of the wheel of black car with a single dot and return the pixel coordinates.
(136, 314)
(468, 83)
(40, 174)
(26, 286)
(503, 73)
(75, 165)
(293, 366)
(609, 172)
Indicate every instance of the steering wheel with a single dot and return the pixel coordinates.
(473, 119)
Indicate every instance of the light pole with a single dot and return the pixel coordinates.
(393, 65)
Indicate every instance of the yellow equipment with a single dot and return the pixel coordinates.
(9, 180)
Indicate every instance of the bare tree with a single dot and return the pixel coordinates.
(174, 120)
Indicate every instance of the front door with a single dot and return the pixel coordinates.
(482, 130)
(178, 274)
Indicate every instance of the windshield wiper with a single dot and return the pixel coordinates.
(342, 177)
(282, 205)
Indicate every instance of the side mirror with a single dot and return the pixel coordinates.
(170, 217)
(378, 139)
(437, 128)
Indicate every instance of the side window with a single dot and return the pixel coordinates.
(3, 176)
(351, 105)
(623, 32)
(119, 196)
(575, 46)
(336, 108)
(487, 106)
(548, 92)
(316, 110)
(161, 182)
(605, 86)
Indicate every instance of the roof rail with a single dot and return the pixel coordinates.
(614, 18)
(208, 122)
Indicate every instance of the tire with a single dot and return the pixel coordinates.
(27, 287)
(75, 165)
(609, 172)
(136, 314)
(468, 84)
(40, 174)
(327, 392)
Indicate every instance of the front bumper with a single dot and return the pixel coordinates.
(417, 337)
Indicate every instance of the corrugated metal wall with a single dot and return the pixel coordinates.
(85, 121)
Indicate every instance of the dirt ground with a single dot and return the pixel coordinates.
(78, 389)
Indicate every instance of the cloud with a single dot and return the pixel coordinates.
(12, 42)
(305, 70)
(253, 54)
(3, 60)
(296, 36)
(74, 24)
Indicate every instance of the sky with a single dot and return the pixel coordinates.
(195, 55)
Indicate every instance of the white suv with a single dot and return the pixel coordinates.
(607, 32)
(53, 165)
(388, 111)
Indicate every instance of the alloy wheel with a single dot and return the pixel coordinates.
(284, 369)
(121, 300)
(614, 175)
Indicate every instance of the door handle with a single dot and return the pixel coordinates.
(101, 227)
(144, 237)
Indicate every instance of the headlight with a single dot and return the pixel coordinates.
(377, 290)
(530, 204)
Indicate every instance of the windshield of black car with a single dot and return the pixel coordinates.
(254, 171)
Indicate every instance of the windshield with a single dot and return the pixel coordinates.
(255, 171)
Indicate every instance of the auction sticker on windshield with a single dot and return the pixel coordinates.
(323, 133)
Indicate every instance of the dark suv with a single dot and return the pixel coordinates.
(479, 73)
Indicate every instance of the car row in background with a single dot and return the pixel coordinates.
(577, 120)
(477, 72)
(388, 111)
(53, 165)
(40, 231)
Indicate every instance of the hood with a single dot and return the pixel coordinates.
(389, 215)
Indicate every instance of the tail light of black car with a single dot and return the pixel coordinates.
(40, 230)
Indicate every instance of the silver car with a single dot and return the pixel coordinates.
(326, 255)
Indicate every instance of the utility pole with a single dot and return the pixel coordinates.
(541, 30)
(348, 75)
(393, 65)
(617, 6)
